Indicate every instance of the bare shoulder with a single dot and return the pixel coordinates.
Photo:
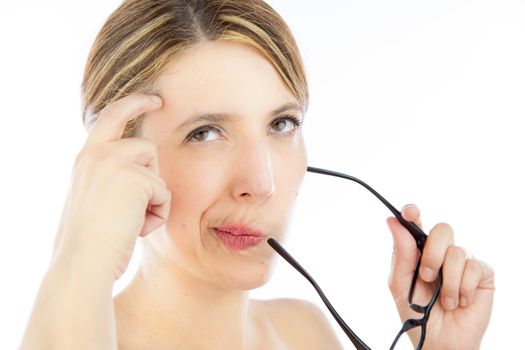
(300, 323)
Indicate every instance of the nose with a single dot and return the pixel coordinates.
(253, 172)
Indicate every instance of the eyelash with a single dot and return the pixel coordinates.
(295, 121)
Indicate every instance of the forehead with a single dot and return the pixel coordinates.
(222, 74)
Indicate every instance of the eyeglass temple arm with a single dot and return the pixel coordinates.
(419, 236)
(414, 230)
(358, 343)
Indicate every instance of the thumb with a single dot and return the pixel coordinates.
(404, 259)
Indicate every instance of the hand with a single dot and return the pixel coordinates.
(116, 193)
(461, 313)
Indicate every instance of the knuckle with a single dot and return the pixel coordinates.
(450, 287)
(167, 205)
(163, 187)
(473, 266)
(464, 289)
(147, 146)
(487, 268)
(390, 283)
(168, 196)
(448, 292)
(393, 283)
(444, 228)
(144, 193)
(431, 259)
(150, 147)
(457, 253)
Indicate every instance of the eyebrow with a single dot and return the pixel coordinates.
(221, 117)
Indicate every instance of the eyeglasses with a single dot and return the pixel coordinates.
(420, 238)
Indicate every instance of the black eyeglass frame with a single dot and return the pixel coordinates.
(420, 238)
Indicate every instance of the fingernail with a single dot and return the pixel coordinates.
(450, 303)
(427, 274)
(408, 206)
(156, 99)
(463, 301)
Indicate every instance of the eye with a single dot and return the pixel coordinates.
(287, 124)
(202, 134)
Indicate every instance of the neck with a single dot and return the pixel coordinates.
(167, 306)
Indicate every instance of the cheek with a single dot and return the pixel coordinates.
(194, 184)
(198, 179)
(291, 165)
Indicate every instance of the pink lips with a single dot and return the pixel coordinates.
(239, 237)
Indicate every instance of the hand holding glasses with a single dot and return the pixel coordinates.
(420, 238)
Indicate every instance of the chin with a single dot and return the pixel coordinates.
(244, 275)
(249, 283)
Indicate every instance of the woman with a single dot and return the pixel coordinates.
(205, 171)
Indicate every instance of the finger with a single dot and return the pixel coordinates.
(438, 241)
(112, 120)
(404, 259)
(158, 210)
(135, 150)
(411, 212)
(453, 269)
(138, 150)
(148, 174)
(477, 275)
(157, 195)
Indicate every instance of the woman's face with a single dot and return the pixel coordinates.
(245, 167)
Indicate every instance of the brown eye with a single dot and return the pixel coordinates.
(202, 134)
(280, 125)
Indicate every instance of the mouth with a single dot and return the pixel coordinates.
(237, 237)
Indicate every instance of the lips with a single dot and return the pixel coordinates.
(238, 237)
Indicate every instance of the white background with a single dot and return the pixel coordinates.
(421, 99)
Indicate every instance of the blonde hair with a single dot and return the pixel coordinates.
(141, 36)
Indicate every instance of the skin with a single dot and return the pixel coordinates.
(249, 172)
(191, 291)
(187, 277)
(461, 314)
